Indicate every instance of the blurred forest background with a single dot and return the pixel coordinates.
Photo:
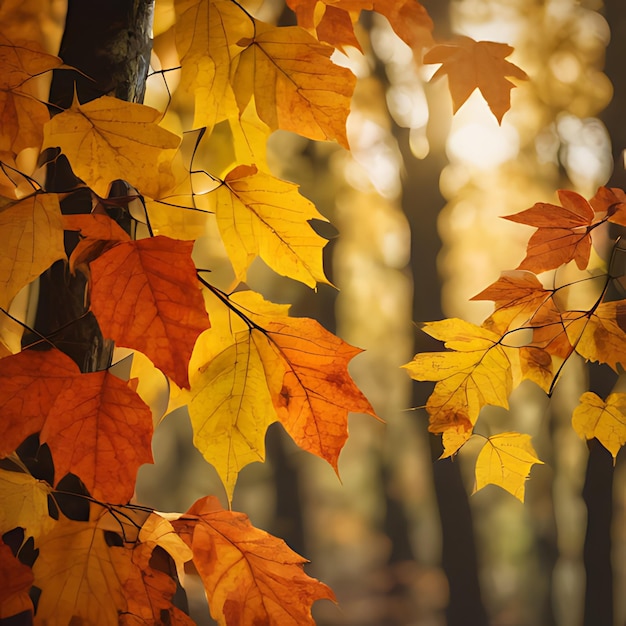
(417, 205)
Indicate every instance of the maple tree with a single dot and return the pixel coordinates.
(76, 547)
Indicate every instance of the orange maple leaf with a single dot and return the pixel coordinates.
(295, 85)
(479, 65)
(611, 202)
(95, 425)
(334, 24)
(22, 116)
(16, 580)
(110, 577)
(145, 296)
(563, 232)
(318, 392)
(250, 577)
(98, 233)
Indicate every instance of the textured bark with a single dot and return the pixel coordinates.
(108, 43)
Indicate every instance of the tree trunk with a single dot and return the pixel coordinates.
(108, 43)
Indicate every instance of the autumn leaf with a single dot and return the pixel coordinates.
(16, 580)
(563, 232)
(606, 421)
(98, 233)
(596, 335)
(334, 22)
(317, 392)
(249, 576)
(518, 297)
(207, 33)
(295, 85)
(32, 234)
(95, 425)
(259, 215)
(479, 65)
(505, 460)
(145, 296)
(610, 202)
(476, 371)
(24, 504)
(109, 579)
(109, 139)
(256, 365)
(230, 403)
(22, 116)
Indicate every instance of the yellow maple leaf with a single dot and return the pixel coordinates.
(505, 460)
(233, 373)
(260, 215)
(31, 230)
(207, 33)
(606, 421)
(24, 504)
(22, 115)
(230, 403)
(596, 335)
(108, 139)
(475, 372)
(296, 86)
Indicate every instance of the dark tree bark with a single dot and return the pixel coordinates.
(598, 489)
(108, 43)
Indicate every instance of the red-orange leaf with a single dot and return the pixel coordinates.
(249, 576)
(333, 21)
(318, 392)
(95, 425)
(474, 65)
(611, 202)
(98, 233)
(145, 296)
(562, 235)
(16, 580)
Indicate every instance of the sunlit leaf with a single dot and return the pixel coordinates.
(606, 421)
(296, 86)
(109, 139)
(249, 576)
(95, 425)
(472, 65)
(22, 116)
(208, 33)
(31, 232)
(596, 335)
(562, 234)
(259, 215)
(145, 296)
(476, 371)
(505, 460)
(24, 504)
(333, 20)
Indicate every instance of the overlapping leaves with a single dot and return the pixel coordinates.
(531, 333)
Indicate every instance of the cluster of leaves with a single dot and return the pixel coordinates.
(75, 547)
(537, 325)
